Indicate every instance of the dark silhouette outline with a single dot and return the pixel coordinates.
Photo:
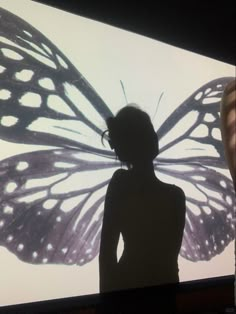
(148, 213)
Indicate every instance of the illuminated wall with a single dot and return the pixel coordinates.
(54, 169)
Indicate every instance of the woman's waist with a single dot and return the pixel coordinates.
(149, 259)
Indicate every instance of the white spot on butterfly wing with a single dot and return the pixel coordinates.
(47, 48)
(34, 254)
(194, 209)
(229, 216)
(32, 197)
(2, 69)
(229, 200)
(207, 91)
(57, 152)
(209, 117)
(71, 203)
(20, 247)
(223, 183)
(22, 165)
(206, 209)
(216, 205)
(5, 94)
(11, 187)
(31, 99)
(27, 33)
(200, 131)
(57, 104)
(64, 165)
(9, 121)
(58, 219)
(70, 261)
(45, 260)
(10, 238)
(11, 54)
(216, 134)
(198, 96)
(49, 247)
(50, 203)
(62, 62)
(214, 93)
(210, 100)
(24, 75)
(2, 223)
(8, 210)
(64, 250)
(199, 178)
(47, 83)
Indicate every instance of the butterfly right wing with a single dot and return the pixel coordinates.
(192, 157)
(210, 208)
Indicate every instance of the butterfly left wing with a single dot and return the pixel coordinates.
(192, 157)
(40, 86)
(51, 205)
(50, 208)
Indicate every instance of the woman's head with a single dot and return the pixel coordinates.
(132, 135)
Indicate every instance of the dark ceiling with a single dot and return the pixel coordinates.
(205, 27)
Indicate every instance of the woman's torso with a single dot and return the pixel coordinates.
(148, 221)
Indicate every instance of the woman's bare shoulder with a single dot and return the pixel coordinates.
(174, 190)
(119, 175)
(118, 178)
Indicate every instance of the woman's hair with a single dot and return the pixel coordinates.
(132, 136)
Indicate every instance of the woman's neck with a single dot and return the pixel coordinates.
(143, 168)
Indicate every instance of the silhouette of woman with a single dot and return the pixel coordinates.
(148, 213)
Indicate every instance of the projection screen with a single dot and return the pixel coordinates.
(61, 76)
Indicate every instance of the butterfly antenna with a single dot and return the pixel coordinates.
(158, 103)
(123, 89)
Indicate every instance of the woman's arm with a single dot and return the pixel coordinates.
(109, 237)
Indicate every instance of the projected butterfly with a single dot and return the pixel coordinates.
(51, 200)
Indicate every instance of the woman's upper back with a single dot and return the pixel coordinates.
(150, 213)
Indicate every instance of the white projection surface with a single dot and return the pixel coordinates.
(157, 77)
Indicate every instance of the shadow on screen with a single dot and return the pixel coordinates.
(148, 213)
